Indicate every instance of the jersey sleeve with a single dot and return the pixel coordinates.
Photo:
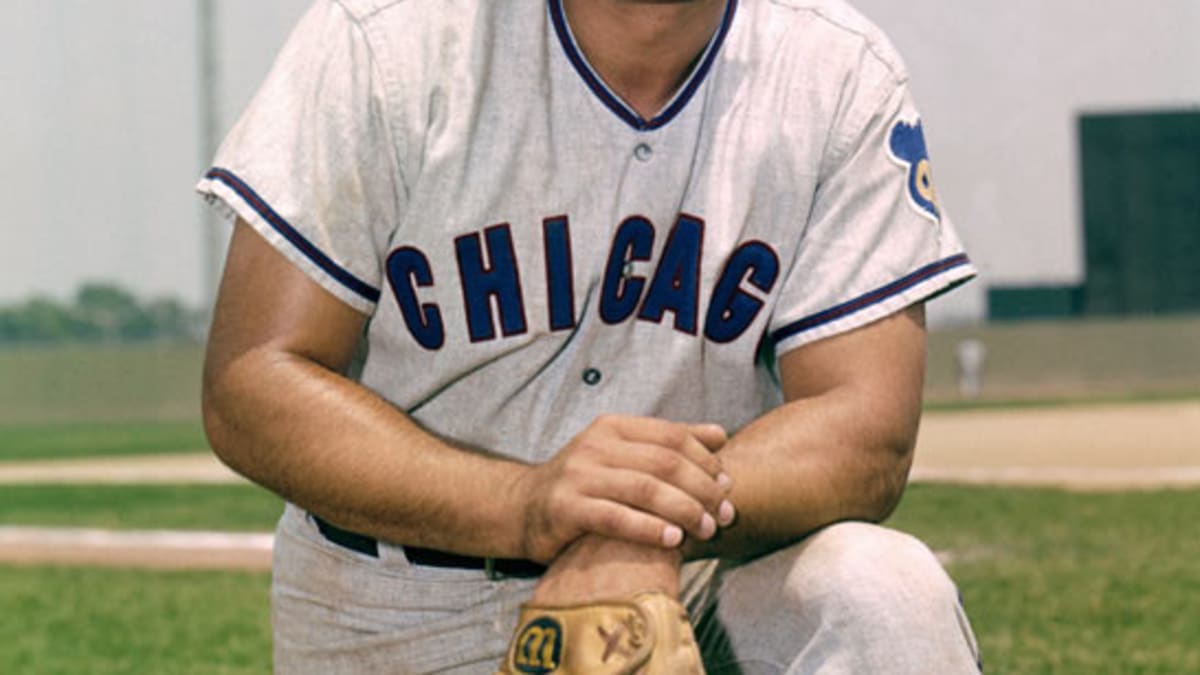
(311, 164)
(877, 239)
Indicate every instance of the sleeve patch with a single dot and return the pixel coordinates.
(906, 145)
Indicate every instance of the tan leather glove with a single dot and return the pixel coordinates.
(647, 634)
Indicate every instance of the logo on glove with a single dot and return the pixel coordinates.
(539, 647)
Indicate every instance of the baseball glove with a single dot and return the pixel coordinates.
(647, 634)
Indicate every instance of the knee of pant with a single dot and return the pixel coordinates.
(867, 569)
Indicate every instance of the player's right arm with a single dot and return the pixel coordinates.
(279, 410)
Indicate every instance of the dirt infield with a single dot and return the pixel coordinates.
(199, 467)
(1101, 447)
(1073, 446)
(153, 549)
(1129, 446)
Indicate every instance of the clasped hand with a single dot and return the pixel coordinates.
(638, 479)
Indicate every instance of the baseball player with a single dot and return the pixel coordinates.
(638, 293)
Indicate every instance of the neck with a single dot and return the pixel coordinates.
(643, 49)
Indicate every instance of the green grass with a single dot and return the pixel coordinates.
(98, 439)
(100, 383)
(1069, 583)
(1074, 359)
(1055, 582)
(203, 507)
(104, 622)
(1039, 361)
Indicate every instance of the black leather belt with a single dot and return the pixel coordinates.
(495, 568)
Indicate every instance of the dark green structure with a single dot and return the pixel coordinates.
(1034, 302)
(1141, 212)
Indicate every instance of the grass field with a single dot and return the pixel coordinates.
(110, 383)
(77, 621)
(1036, 360)
(1070, 583)
(186, 507)
(1150, 356)
(1055, 582)
(72, 440)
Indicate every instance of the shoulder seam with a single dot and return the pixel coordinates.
(359, 17)
(871, 45)
(359, 23)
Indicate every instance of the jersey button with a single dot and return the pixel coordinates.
(592, 377)
(643, 152)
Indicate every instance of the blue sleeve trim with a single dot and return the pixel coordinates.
(873, 298)
(310, 251)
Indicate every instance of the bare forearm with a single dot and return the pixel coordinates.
(333, 447)
(277, 410)
(810, 463)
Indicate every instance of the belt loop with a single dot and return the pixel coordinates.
(489, 568)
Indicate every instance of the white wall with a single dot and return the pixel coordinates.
(1001, 83)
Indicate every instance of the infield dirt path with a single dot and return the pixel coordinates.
(152, 549)
(1130, 445)
(1097, 446)
(199, 467)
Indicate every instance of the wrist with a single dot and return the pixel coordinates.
(523, 530)
(597, 568)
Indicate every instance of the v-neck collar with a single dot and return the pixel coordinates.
(614, 102)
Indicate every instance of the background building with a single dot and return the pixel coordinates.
(1004, 86)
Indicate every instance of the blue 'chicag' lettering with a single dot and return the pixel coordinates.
(490, 282)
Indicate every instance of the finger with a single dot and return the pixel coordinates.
(617, 521)
(672, 467)
(700, 454)
(713, 436)
(670, 435)
(650, 495)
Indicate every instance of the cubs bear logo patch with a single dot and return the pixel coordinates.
(906, 145)
(539, 647)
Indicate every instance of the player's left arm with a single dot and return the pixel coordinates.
(841, 445)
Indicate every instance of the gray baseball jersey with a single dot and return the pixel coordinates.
(533, 253)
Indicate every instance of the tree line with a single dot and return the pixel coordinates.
(99, 313)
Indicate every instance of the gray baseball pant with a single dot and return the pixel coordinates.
(852, 598)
